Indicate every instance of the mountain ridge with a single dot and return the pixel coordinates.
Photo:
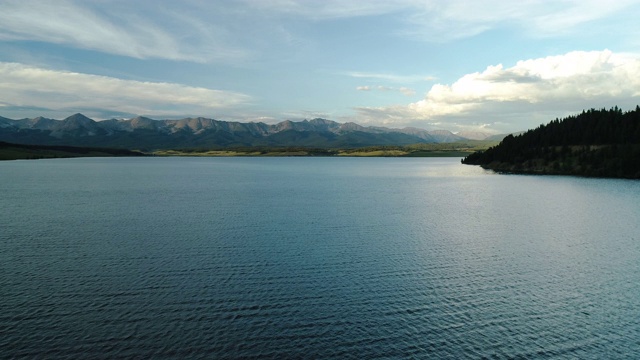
(144, 132)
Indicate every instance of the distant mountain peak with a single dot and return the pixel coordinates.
(141, 122)
(441, 132)
(142, 118)
(474, 135)
(78, 117)
(320, 121)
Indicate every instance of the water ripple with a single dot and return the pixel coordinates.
(303, 259)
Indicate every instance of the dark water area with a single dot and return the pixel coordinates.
(314, 258)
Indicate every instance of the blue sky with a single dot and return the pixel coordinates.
(492, 66)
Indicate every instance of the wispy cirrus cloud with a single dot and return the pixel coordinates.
(146, 30)
(517, 96)
(407, 91)
(24, 86)
(443, 21)
(229, 31)
(390, 77)
(404, 90)
(329, 9)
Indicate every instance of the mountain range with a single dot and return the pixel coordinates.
(145, 133)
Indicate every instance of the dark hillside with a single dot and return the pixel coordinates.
(602, 143)
(10, 151)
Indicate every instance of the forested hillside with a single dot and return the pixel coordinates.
(604, 143)
(20, 151)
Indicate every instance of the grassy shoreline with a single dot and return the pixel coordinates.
(18, 151)
(458, 149)
(340, 153)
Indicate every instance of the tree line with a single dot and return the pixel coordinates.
(593, 143)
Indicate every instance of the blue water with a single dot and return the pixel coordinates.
(314, 258)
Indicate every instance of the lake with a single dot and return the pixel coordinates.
(339, 258)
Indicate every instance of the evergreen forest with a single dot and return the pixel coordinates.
(597, 143)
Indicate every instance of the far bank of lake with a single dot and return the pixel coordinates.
(10, 151)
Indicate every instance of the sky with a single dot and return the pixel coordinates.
(494, 66)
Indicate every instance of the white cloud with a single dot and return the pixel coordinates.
(514, 97)
(441, 21)
(390, 77)
(24, 86)
(572, 13)
(198, 31)
(328, 9)
(141, 31)
(404, 90)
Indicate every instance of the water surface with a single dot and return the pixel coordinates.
(314, 258)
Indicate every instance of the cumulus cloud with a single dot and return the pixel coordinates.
(24, 86)
(576, 75)
(510, 96)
